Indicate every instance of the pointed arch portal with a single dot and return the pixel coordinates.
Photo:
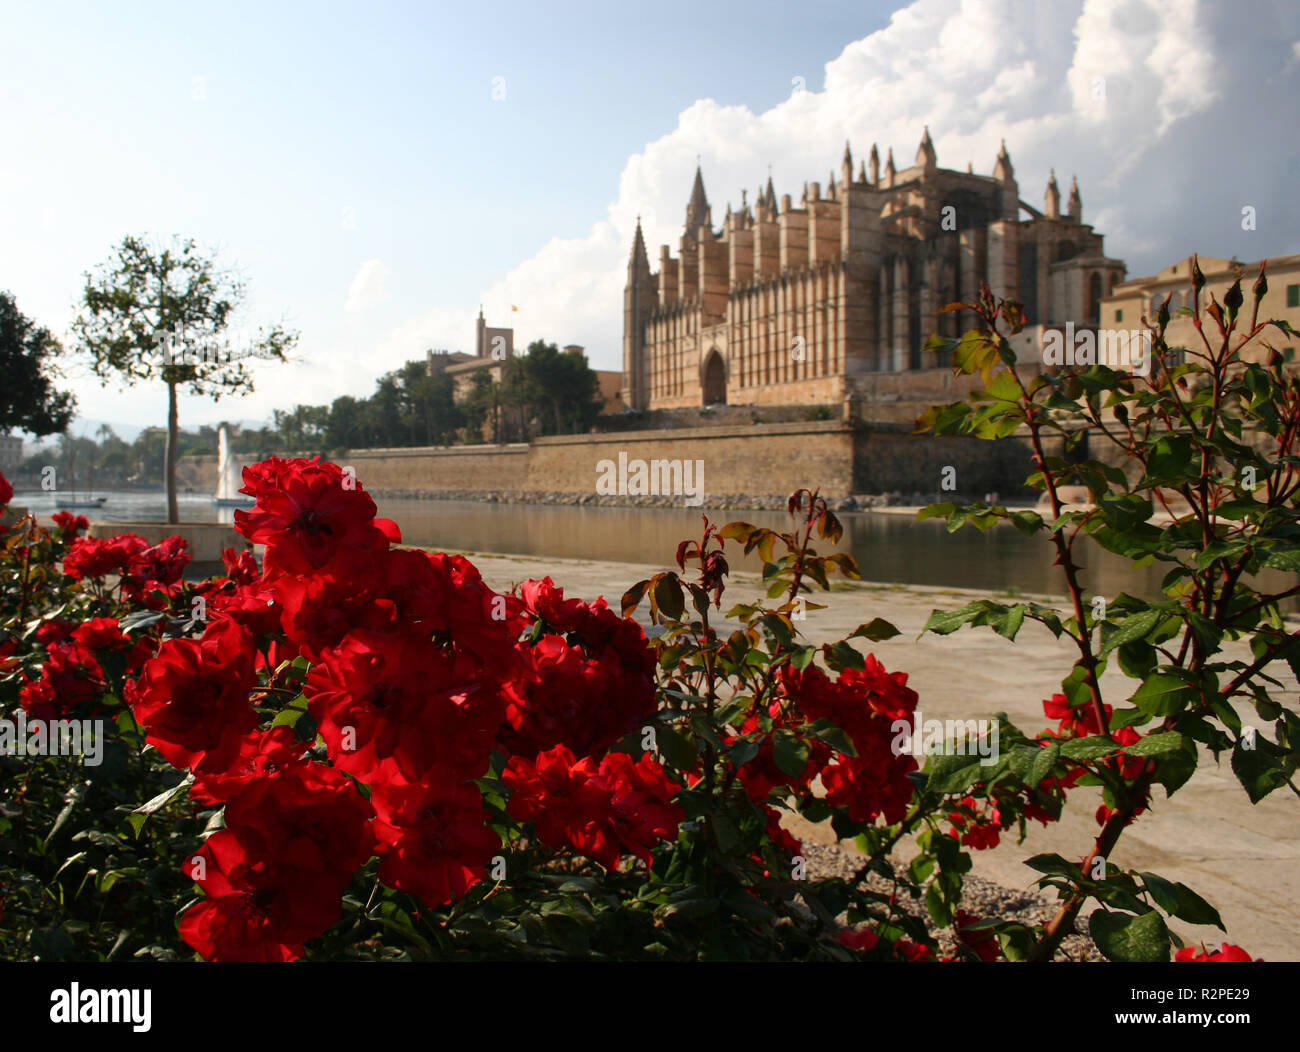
(714, 379)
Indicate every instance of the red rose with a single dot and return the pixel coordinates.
(6, 491)
(311, 816)
(161, 565)
(433, 839)
(1228, 954)
(1079, 720)
(861, 940)
(192, 698)
(241, 568)
(55, 630)
(69, 677)
(101, 633)
(255, 911)
(862, 702)
(983, 944)
(99, 557)
(69, 525)
(261, 753)
(307, 517)
(585, 689)
(600, 810)
(395, 707)
(251, 605)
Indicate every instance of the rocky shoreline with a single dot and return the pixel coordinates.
(726, 502)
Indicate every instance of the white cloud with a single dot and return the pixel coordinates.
(976, 73)
(367, 288)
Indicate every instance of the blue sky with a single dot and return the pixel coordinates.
(352, 161)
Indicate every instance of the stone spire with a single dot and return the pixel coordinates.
(925, 155)
(1075, 205)
(771, 194)
(873, 172)
(890, 170)
(1002, 170)
(846, 166)
(638, 263)
(830, 182)
(862, 172)
(1052, 199)
(698, 213)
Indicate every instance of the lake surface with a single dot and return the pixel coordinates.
(888, 548)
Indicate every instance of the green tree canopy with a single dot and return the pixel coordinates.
(157, 312)
(28, 400)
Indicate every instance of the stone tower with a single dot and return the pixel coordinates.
(638, 301)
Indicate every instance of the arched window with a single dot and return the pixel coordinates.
(1094, 297)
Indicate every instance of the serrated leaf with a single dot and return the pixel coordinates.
(681, 752)
(791, 753)
(875, 630)
(1132, 628)
(1164, 694)
(1156, 744)
(1124, 937)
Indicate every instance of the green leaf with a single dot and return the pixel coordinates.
(1156, 744)
(1132, 628)
(833, 735)
(1257, 769)
(1089, 748)
(1054, 864)
(790, 752)
(951, 773)
(681, 752)
(165, 797)
(1178, 900)
(1124, 937)
(1031, 764)
(1164, 694)
(876, 629)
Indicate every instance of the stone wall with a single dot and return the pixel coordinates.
(198, 474)
(890, 459)
(762, 458)
(840, 459)
(503, 467)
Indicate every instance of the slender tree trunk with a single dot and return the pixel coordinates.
(169, 459)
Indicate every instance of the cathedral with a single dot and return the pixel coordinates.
(788, 306)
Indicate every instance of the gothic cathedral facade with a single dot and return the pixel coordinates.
(789, 306)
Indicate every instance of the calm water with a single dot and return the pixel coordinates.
(888, 548)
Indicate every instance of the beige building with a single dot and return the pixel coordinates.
(11, 452)
(810, 304)
(1134, 304)
(492, 346)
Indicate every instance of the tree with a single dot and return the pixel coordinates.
(28, 400)
(565, 387)
(482, 404)
(161, 313)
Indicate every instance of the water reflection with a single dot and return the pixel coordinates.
(888, 548)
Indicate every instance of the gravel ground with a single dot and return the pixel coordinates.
(980, 897)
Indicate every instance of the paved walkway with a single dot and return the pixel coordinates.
(1243, 859)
